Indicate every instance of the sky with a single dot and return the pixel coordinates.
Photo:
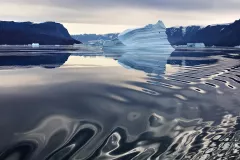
(111, 16)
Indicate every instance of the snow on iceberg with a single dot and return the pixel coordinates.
(150, 36)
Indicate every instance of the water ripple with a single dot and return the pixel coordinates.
(178, 106)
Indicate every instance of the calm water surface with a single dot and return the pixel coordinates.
(139, 105)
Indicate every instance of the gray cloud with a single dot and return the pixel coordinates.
(134, 12)
(155, 4)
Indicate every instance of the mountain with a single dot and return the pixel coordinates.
(93, 37)
(211, 35)
(48, 33)
(181, 35)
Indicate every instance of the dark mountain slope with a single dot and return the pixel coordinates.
(48, 33)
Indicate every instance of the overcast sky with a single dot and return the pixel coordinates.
(105, 16)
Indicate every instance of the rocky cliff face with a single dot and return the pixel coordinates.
(48, 33)
(220, 35)
(181, 35)
(217, 35)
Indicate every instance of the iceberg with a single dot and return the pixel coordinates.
(152, 36)
(95, 42)
(196, 45)
(35, 45)
(146, 49)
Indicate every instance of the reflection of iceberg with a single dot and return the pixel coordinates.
(182, 61)
(147, 61)
(163, 61)
(151, 37)
(189, 58)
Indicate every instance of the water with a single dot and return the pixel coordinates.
(73, 104)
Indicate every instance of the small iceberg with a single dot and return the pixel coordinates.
(196, 45)
(95, 42)
(35, 45)
(114, 42)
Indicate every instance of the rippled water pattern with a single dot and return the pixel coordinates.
(139, 105)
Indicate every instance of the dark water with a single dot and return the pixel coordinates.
(139, 105)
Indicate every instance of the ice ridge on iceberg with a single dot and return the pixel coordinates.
(150, 36)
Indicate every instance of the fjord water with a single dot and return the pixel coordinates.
(60, 104)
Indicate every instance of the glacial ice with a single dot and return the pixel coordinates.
(152, 36)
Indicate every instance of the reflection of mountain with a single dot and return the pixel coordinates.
(156, 61)
(188, 58)
(46, 60)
